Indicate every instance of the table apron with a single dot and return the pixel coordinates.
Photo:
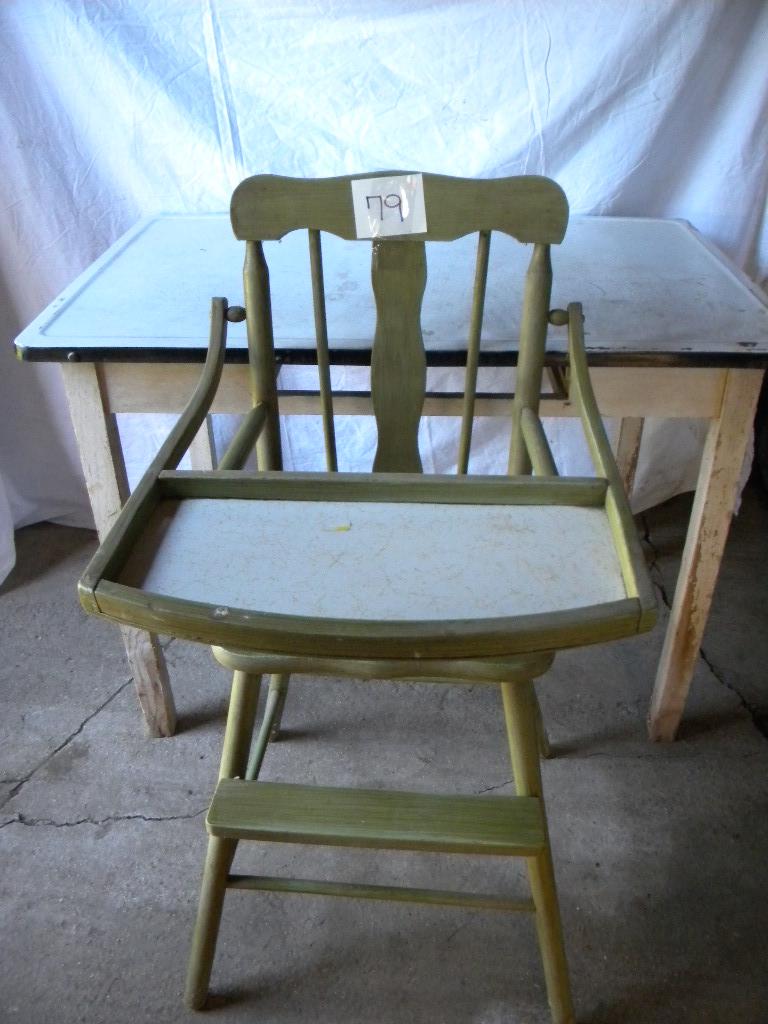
(621, 391)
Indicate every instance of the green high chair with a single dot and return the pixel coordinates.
(391, 574)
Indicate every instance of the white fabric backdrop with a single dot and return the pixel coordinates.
(115, 110)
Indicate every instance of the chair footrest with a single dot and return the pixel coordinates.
(397, 893)
(377, 819)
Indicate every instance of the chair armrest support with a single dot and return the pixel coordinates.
(536, 444)
(247, 435)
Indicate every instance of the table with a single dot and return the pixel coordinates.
(674, 330)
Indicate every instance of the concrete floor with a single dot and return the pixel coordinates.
(661, 851)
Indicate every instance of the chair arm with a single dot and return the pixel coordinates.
(634, 570)
(144, 496)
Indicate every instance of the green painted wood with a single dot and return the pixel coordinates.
(398, 359)
(473, 349)
(586, 492)
(395, 893)
(279, 683)
(241, 445)
(636, 577)
(533, 341)
(261, 353)
(323, 357)
(138, 508)
(258, 630)
(510, 650)
(242, 713)
(264, 734)
(530, 208)
(241, 716)
(432, 670)
(536, 444)
(218, 861)
(376, 819)
(520, 716)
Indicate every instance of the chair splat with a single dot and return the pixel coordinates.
(398, 359)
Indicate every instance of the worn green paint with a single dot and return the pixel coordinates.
(586, 492)
(530, 208)
(323, 355)
(520, 716)
(509, 651)
(127, 528)
(536, 444)
(375, 818)
(398, 359)
(428, 670)
(362, 638)
(218, 861)
(473, 349)
(530, 362)
(261, 353)
(632, 560)
(241, 445)
(396, 893)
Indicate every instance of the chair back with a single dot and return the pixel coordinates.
(529, 208)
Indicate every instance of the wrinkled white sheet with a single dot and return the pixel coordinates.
(114, 110)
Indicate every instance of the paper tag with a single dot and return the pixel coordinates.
(389, 206)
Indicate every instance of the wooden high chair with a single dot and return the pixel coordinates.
(389, 574)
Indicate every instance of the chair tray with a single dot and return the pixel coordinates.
(377, 577)
(371, 560)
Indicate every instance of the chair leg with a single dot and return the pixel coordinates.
(218, 861)
(270, 724)
(237, 739)
(520, 716)
(545, 749)
(278, 684)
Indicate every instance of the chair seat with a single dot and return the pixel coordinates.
(375, 564)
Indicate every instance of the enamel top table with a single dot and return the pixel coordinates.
(673, 330)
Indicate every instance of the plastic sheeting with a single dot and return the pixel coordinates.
(115, 110)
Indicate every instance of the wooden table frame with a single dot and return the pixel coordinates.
(726, 397)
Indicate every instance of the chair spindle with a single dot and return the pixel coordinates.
(536, 444)
(473, 349)
(530, 362)
(261, 353)
(323, 358)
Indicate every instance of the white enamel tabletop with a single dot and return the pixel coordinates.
(648, 286)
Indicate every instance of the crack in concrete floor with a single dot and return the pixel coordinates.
(22, 819)
(20, 783)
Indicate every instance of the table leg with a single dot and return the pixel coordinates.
(716, 495)
(102, 461)
(628, 450)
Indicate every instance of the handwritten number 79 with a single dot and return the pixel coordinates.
(384, 203)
